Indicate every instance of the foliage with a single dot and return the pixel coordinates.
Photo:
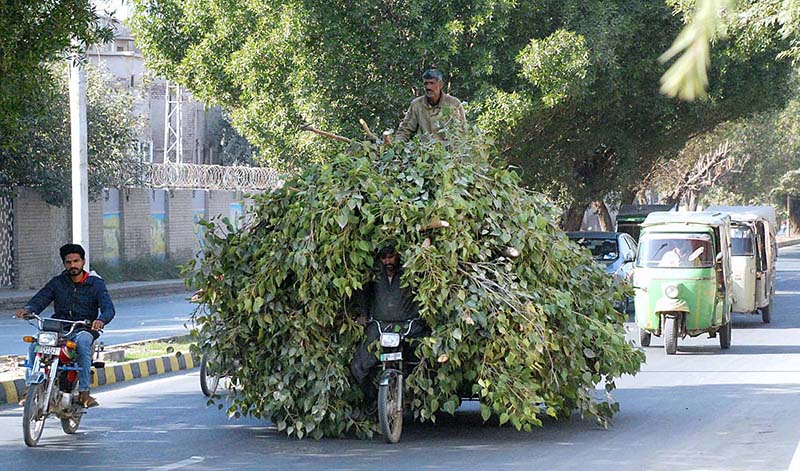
(687, 78)
(139, 269)
(34, 33)
(516, 333)
(567, 88)
(42, 160)
(234, 149)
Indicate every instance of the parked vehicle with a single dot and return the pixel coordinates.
(631, 216)
(754, 254)
(616, 251)
(683, 277)
(52, 379)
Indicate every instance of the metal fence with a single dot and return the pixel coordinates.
(6, 241)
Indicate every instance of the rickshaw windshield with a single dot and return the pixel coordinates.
(603, 250)
(684, 250)
(741, 241)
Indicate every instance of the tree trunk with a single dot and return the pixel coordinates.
(606, 223)
(794, 215)
(573, 217)
(691, 200)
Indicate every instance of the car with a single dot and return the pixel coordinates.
(616, 251)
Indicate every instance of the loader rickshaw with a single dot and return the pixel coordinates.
(682, 279)
(754, 254)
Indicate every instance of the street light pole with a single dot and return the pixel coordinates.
(79, 132)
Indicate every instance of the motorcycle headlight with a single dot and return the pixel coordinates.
(671, 291)
(390, 340)
(48, 339)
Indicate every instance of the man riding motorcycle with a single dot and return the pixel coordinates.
(76, 295)
(385, 301)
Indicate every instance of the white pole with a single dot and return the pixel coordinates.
(80, 183)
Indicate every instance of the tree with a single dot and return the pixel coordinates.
(42, 160)
(568, 89)
(34, 33)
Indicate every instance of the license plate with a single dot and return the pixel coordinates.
(49, 350)
(391, 356)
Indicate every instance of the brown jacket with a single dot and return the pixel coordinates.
(435, 121)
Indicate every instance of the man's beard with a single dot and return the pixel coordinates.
(74, 271)
(389, 267)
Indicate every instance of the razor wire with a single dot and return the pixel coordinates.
(208, 177)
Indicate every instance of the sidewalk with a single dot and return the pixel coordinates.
(11, 299)
(787, 241)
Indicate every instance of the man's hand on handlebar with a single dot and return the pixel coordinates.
(23, 314)
(98, 325)
(362, 320)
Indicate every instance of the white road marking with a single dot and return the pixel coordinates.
(795, 464)
(180, 464)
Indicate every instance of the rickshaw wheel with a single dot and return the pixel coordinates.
(766, 313)
(670, 334)
(644, 337)
(725, 335)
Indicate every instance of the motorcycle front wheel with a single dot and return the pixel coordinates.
(390, 413)
(33, 414)
(208, 381)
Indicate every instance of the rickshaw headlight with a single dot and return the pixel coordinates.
(390, 340)
(671, 291)
(48, 339)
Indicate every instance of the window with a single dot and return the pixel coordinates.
(676, 250)
(603, 250)
(741, 241)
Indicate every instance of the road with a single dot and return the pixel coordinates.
(136, 319)
(702, 409)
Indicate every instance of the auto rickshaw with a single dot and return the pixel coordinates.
(682, 278)
(754, 254)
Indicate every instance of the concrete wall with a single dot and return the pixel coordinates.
(180, 224)
(135, 222)
(40, 229)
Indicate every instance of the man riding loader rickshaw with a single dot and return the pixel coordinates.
(683, 277)
(754, 254)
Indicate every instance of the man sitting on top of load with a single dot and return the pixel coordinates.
(435, 114)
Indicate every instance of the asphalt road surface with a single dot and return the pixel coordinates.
(702, 409)
(136, 319)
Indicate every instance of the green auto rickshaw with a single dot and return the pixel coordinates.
(682, 277)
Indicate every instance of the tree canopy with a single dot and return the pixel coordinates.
(40, 159)
(32, 34)
(569, 89)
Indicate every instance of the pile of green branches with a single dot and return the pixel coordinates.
(520, 317)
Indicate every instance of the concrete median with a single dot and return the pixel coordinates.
(12, 389)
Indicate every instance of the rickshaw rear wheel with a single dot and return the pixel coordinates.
(644, 337)
(670, 330)
(725, 335)
(766, 313)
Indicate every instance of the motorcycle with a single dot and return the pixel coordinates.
(394, 367)
(52, 380)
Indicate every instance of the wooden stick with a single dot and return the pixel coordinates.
(367, 131)
(438, 224)
(329, 135)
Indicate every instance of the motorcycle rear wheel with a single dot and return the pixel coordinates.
(390, 415)
(33, 415)
(208, 381)
(70, 424)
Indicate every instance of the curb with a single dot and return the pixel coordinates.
(15, 300)
(788, 243)
(11, 390)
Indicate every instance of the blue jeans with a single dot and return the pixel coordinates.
(84, 339)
